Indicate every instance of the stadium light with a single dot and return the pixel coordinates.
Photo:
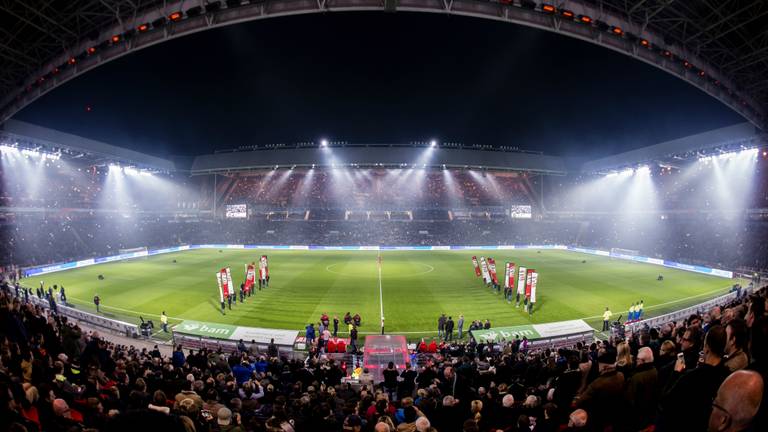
(114, 168)
(324, 143)
(8, 149)
(433, 143)
(130, 171)
(627, 172)
(643, 170)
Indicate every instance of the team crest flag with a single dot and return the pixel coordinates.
(250, 276)
(534, 280)
(509, 276)
(263, 268)
(492, 271)
(484, 268)
(476, 266)
(223, 277)
(521, 280)
(528, 279)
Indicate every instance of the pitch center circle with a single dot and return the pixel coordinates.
(428, 269)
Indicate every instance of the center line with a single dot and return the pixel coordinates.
(381, 295)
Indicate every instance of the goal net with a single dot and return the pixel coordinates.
(621, 251)
(133, 250)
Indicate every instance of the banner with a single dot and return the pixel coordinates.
(235, 333)
(492, 271)
(528, 277)
(484, 268)
(506, 275)
(534, 331)
(534, 280)
(225, 288)
(263, 268)
(509, 276)
(476, 266)
(250, 276)
(521, 280)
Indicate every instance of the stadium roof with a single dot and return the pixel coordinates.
(720, 47)
(736, 137)
(70, 146)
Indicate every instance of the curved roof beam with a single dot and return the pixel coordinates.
(600, 27)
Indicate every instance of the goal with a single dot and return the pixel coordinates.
(620, 251)
(135, 250)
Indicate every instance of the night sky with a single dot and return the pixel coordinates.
(379, 78)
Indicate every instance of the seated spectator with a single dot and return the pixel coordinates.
(737, 402)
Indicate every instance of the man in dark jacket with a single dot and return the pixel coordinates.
(604, 398)
(642, 390)
(687, 400)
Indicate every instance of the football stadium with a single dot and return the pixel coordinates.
(383, 216)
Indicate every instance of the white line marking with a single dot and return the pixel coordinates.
(381, 295)
(669, 302)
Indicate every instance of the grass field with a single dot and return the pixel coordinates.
(416, 286)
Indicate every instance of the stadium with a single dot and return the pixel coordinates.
(248, 269)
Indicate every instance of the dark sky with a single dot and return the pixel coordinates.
(376, 78)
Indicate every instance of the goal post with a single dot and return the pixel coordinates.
(620, 251)
(136, 250)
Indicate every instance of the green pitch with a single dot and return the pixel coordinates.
(416, 286)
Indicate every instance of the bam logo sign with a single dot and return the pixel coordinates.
(214, 330)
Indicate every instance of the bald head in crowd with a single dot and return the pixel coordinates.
(381, 427)
(737, 402)
(577, 419)
(644, 355)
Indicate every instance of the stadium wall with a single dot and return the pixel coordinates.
(51, 268)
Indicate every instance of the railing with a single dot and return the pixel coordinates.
(683, 313)
(120, 327)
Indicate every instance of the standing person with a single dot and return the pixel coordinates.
(640, 307)
(63, 296)
(461, 326)
(310, 334)
(353, 340)
(242, 292)
(607, 319)
(441, 326)
(449, 329)
(631, 313)
(335, 326)
(272, 349)
(229, 302)
(164, 321)
(390, 380)
(97, 302)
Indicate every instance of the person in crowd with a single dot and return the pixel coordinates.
(686, 401)
(448, 329)
(164, 321)
(607, 319)
(737, 402)
(460, 324)
(97, 302)
(737, 337)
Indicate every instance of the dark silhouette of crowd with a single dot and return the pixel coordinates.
(704, 373)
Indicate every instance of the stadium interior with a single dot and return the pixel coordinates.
(664, 245)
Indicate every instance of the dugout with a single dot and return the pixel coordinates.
(379, 350)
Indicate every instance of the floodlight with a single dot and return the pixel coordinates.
(324, 143)
(643, 170)
(130, 171)
(433, 143)
(114, 168)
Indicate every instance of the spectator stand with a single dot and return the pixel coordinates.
(115, 326)
(215, 336)
(683, 314)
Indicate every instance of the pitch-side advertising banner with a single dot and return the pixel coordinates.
(533, 331)
(230, 332)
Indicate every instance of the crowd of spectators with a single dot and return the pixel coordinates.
(704, 373)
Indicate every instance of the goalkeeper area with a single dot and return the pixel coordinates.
(412, 289)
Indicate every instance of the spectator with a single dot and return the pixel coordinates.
(737, 337)
(686, 402)
(642, 390)
(737, 402)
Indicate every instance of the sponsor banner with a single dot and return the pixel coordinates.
(235, 333)
(534, 281)
(562, 328)
(671, 264)
(533, 331)
(250, 276)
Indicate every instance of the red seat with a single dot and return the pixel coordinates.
(341, 346)
(332, 346)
